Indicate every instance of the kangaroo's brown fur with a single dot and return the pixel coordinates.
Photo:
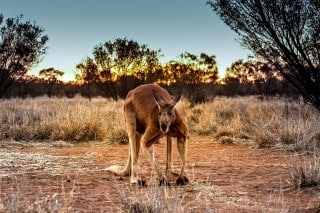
(150, 114)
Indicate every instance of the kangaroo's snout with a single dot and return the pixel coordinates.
(164, 128)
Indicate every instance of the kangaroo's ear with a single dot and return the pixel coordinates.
(176, 99)
(159, 101)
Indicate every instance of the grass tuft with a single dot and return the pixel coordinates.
(306, 173)
(153, 200)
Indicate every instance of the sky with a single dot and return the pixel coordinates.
(74, 27)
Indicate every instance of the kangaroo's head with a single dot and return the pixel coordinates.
(166, 113)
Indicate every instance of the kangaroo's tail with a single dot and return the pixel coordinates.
(119, 170)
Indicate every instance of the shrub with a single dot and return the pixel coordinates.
(306, 173)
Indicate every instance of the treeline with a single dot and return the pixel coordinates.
(198, 82)
(196, 92)
(118, 66)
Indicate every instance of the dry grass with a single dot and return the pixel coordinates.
(306, 173)
(267, 123)
(17, 202)
(61, 119)
(167, 199)
(228, 120)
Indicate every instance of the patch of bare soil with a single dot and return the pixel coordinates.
(224, 178)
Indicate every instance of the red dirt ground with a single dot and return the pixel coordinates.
(224, 178)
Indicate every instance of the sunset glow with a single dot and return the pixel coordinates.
(165, 25)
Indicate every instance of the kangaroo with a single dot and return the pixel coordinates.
(150, 114)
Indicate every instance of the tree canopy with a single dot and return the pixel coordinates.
(21, 46)
(125, 57)
(284, 33)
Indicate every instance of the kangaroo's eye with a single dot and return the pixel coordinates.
(170, 113)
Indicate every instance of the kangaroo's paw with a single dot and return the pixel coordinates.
(142, 182)
(182, 180)
(164, 182)
(139, 182)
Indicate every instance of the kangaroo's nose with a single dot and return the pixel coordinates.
(164, 127)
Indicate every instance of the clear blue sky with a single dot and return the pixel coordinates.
(74, 27)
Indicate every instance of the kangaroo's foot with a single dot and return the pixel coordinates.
(164, 182)
(182, 180)
(142, 182)
(138, 181)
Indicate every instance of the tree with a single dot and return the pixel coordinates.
(52, 78)
(88, 74)
(193, 69)
(107, 85)
(281, 32)
(196, 74)
(125, 57)
(232, 86)
(253, 73)
(51, 73)
(119, 66)
(21, 46)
